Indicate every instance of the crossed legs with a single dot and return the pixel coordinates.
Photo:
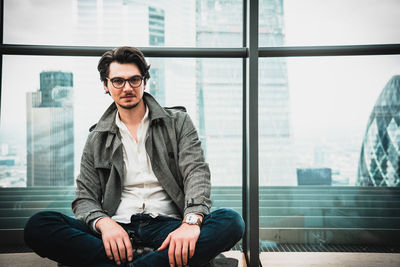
(71, 242)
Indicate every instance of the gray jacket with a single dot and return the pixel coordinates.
(176, 157)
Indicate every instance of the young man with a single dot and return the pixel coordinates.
(142, 170)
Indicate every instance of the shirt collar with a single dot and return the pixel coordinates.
(107, 120)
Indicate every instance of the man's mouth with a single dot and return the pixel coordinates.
(128, 96)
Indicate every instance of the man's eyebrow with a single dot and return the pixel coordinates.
(127, 78)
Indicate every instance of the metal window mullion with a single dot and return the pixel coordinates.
(244, 132)
(54, 50)
(252, 227)
(240, 52)
(1, 21)
(340, 50)
(1, 43)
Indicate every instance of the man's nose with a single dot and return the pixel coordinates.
(127, 87)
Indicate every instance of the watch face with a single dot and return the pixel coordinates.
(191, 219)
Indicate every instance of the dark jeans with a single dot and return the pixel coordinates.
(69, 241)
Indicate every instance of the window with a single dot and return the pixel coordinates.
(123, 22)
(329, 22)
(328, 131)
(58, 106)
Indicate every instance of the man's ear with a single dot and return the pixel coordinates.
(106, 90)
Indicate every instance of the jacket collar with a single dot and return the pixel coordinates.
(107, 121)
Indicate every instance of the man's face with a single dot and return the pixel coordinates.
(127, 97)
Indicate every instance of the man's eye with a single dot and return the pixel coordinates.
(118, 81)
(135, 79)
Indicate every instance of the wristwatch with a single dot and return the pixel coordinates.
(192, 219)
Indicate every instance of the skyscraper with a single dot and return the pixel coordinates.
(157, 38)
(379, 163)
(276, 151)
(219, 95)
(50, 131)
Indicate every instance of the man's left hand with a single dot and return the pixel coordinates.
(182, 243)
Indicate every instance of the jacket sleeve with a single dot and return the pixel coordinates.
(87, 204)
(195, 171)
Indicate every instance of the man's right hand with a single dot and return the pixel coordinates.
(115, 239)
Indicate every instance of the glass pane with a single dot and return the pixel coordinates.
(329, 22)
(329, 136)
(49, 104)
(191, 23)
(54, 96)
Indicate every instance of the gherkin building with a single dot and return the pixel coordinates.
(379, 163)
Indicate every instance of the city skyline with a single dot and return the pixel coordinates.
(311, 131)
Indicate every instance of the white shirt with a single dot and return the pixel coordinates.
(141, 192)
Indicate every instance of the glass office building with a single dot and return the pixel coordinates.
(380, 152)
(50, 131)
(216, 94)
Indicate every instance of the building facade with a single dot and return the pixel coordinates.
(379, 163)
(50, 131)
(219, 91)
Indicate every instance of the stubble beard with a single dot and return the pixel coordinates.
(130, 106)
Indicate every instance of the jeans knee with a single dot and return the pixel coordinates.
(32, 229)
(235, 226)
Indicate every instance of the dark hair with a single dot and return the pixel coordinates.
(123, 54)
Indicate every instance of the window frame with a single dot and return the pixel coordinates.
(250, 52)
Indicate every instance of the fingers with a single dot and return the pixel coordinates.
(129, 248)
(121, 250)
(115, 239)
(114, 249)
(107, 248)
(185, 254)
(165, 244)
(178, 254)
(192, 247)
(171, 254)
(182, 243)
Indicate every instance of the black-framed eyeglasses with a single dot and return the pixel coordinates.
(119, 83)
